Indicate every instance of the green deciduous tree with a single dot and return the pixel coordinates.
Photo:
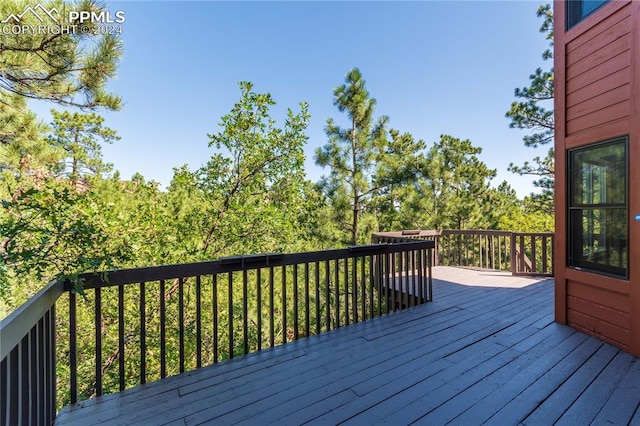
(351, 154)
(251, 186)
(533, 113)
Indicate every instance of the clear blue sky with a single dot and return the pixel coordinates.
(434, 67)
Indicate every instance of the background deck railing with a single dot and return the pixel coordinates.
(137, 325)
(521, 253)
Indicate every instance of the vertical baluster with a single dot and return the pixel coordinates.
(50, 369)
(544, 254)
(430, 280)
(245, 312)
(418, 270)
(346, 291)
(42, 378)
(23, 378)
(402, 284)
(181, 322)
(73, 345)
(317, 281)
(406, 263)
(337, 295)
(534, 267)
(327, 295)
(143, 333)
(467, 258)
(354, 285)
(284, 304)
(163, 332)
(13, 370)
(507, 252)
(33, 375)
(306, 300)
(32, 383)
(98, 338)
(522, 254)
(4, 389)
(380, 281)
(386, 280)
(295, 301)
(271, 309)
(363, 290)
(259, 305)
(393, 281)
(230, 311)
(414, 287)
(121, 335)
(371, 284)
(214, 308)
(198, 321)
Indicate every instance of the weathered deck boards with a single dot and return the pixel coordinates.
(485, 351)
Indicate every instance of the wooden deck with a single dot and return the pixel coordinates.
(485, 351)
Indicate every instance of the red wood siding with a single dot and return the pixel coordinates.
(598, 74)
(634, 182)
(597, 97)
(599, 311)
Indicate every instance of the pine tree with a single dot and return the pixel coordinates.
(69, 69)
(532, 114)
(459, 184)
(350, 154)
(77, 136)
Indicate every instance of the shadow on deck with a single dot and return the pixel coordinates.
(486, 350)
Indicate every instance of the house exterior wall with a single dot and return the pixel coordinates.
(597, 98)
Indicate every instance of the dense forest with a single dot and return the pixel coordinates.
(66, 211)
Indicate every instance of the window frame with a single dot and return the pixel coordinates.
(573, 12)
(577, 262)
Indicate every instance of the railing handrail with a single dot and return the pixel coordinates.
(18, 324)
(238, 263)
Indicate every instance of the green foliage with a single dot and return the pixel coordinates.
(250, 185)
(69, 69)
(531, 113)
(56, 231)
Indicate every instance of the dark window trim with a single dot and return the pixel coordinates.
(574, 12)
(596, 268)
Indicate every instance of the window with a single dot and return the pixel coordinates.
(577, 10)
(598, 216)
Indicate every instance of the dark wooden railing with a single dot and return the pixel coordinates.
(28, 354)
(521, 253)
(59, 350)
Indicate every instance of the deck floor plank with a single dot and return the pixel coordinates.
(486, 350)
(554, 407)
